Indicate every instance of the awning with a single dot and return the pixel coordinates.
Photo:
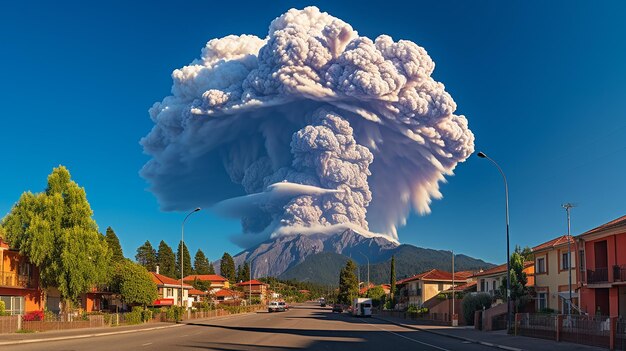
(565, 294)
(163, 302)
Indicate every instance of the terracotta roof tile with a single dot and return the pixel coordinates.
(501, 269)
(251, 282)
(226, 293)
(205, 277)
(436, 274)
(606, 226)
(553, 243)
(160, 279)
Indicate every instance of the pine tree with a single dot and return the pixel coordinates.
(166, 260)
(146, 256)
(244, 272)
(392, 282)
(117, 254)
(348, 283)
(227, 267)
(186, 260)
(56, 231)
(200, 263)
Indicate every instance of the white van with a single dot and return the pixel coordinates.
(362, 307)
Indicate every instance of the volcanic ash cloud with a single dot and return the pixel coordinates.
(311, 127)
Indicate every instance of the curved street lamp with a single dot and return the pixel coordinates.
(508, 255)
(182, 253)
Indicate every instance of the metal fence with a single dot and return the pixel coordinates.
(587, 330)
(620, 335)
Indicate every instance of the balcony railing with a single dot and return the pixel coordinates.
(13, 279)
(619, 273)
(598, 275)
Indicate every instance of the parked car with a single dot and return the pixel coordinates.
(283, 304)
(322, 302)
(337, 308)
(274, 306)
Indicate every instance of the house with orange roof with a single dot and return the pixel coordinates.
(490, 280)
(602, 268)
(227, 296)
(169, 291)
(214, 281)
(552, 267)
(19, 282)
(417, 289)
(254, 288)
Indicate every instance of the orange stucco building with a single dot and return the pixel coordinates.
(19, 282)
(602, 269)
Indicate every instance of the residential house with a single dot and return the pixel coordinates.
(169, 291)
(214, 281)
(19, 282)
(198, 295)
(417, 289)
(490, 280)
(254, 288)
(227, 296)
(552, 268)
(602, 257)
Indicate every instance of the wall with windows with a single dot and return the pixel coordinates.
(552, 276)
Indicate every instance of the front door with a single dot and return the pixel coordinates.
(602, 302)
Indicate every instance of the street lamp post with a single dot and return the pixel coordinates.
(567, 208)
(368, 270)
(182, 251)
(508, 255)
(250, 285)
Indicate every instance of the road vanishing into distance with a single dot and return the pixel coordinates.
(308, 327)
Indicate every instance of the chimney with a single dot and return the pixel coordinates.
(157, 269)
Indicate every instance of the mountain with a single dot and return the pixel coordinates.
(323, 268)
(319, 257)
(320, 268)
(275, 256)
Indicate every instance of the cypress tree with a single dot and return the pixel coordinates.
(227, 267)
(146, 256)
(211, 268)
(200, 263)
(392, 281)
(348, 283)
(166, 260)
(117, 255)
(186, 260)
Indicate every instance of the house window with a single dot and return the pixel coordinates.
(170, 292)
(493, 285)
(440, 286)
(582, 260)
(541, 265)
(482, 285)
(542, 300)
(13, 304)
(565, 260)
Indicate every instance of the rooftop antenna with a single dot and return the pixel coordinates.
(568, 207)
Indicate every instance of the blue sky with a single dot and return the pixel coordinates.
(542, 86)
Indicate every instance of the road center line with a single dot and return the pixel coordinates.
(406, 337)
(146, 344)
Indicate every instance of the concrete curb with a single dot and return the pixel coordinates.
(473, 341)
(82, 336)
(92, 335)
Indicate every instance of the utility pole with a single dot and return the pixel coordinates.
(454, 321)
(250, 286)
(568, 207)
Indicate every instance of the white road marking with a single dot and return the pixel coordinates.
(406, 337)
(146, 344)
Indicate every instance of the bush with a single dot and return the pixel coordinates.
(2, 309)
(474, 302)
(134, 317)
(33, 316)
(547, 310)
(174, 313)
(49, 316)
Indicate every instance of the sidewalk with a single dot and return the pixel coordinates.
(498, 339)
(79, 333)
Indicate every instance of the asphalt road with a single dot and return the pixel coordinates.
(303, 327)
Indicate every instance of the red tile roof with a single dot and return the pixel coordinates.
(606, 226)
(205, 277)
(226, 293)
(251, 282)
(197, 292)
(553, 243)
(463, 287)
(160, 279)
(436, 274)
(501, 269)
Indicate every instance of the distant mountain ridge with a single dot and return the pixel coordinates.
(319, 257)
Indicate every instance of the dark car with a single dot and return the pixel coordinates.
(337, 308)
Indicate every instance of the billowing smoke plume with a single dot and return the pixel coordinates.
(323, 128)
